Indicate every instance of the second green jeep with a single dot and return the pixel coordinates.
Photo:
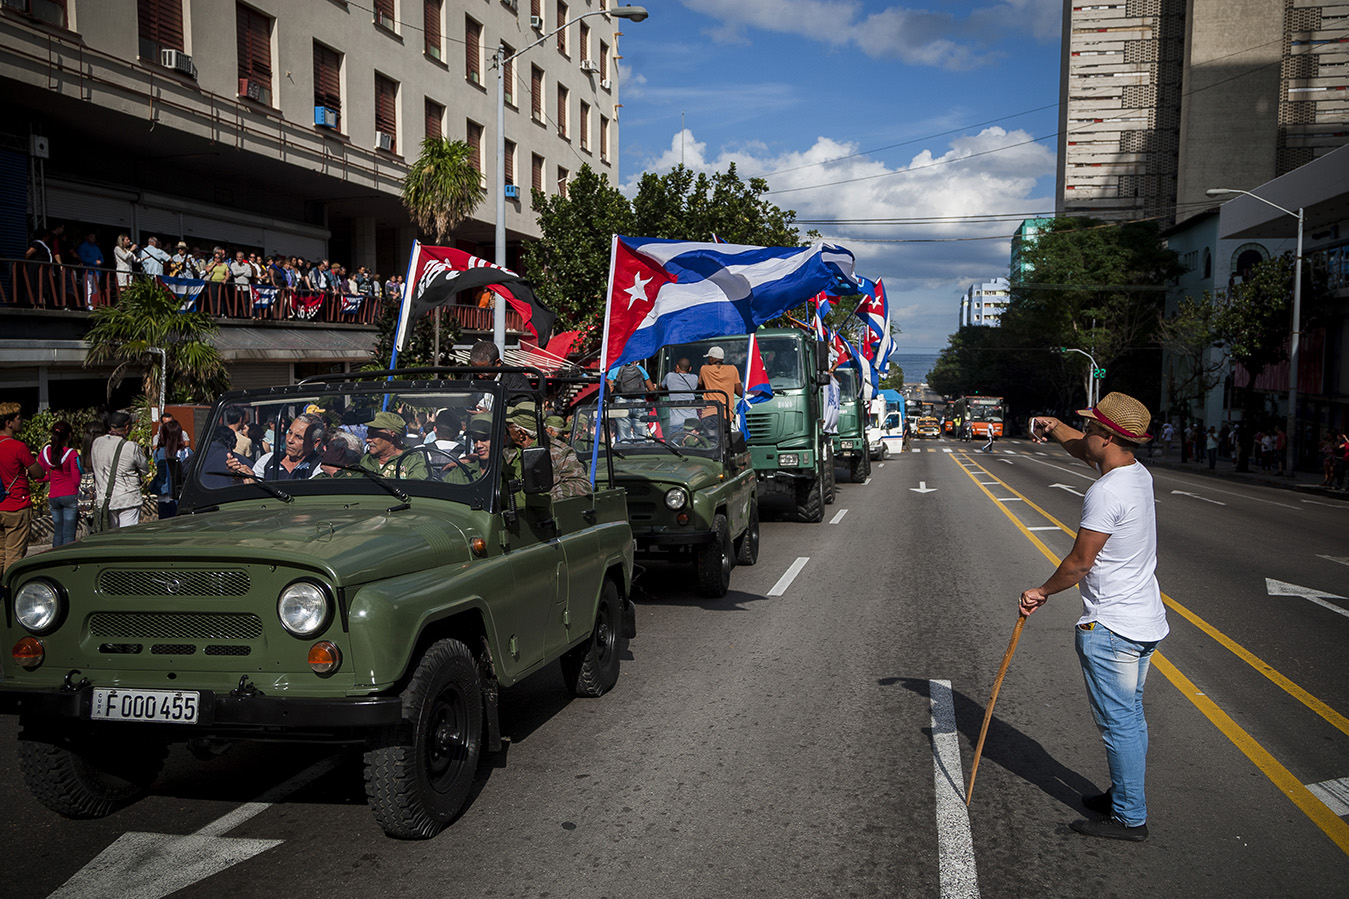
(691, 490)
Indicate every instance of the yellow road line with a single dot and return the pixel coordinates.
(1331, 824)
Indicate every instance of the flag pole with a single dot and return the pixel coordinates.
(604, 362)
(404, 305)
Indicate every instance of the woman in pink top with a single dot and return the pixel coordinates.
(62, 464)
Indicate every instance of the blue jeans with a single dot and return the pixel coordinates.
(65, 514)
(1115, 669)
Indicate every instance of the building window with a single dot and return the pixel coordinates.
(536, 90)
(473, 137)
(585, 41)
(431, 28)
(604, 61)
(536, 171)
(327, 85)
(509, 167)
(562, 35)
(472, 51)
(562, 97)
(508, 75)
(386, 113)
(160, 25)
(604, 139)
(562, 177)
(384, 17)
(255, 54)
(51, 12)
(435, 119)
(585, 125)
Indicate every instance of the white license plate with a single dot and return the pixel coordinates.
(165, 706)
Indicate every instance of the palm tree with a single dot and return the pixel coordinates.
(443, 187)
(147, 317)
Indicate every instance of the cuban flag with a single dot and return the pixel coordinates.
(351, 303)
(875, 311)
(187, 290)
(264, 297)
(848, 352)
(757, 386)
(673, 291)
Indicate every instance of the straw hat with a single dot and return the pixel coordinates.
(1123, 415)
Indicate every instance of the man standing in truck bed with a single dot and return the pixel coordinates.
(717, 375)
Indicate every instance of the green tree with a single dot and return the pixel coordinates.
(443, 187)
(1193, 369)
(420, 344)
(684, 206)
(894, 380)
(569, 265)
(147, 316)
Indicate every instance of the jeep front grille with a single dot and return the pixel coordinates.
(171, 582)
(176, 625)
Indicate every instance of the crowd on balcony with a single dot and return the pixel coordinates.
(228, 281)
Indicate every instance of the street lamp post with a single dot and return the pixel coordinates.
(1091, 384)
(636, 14)
(1290, 455)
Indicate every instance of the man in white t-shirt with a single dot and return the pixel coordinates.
(1114, 564)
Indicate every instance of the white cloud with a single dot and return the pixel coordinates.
(914, 36)
(993, 172)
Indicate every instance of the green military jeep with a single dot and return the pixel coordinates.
(379, 600)
(692, 493)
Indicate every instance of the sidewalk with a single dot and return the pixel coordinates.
(1302, 481)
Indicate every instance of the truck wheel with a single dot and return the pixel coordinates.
(747, 547)
(862, 470)
(830, 479)
(591, 669)
(418, 776)
(810, 500)
(715, 560)
(79, 780)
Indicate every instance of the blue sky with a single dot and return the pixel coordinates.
(926, 111)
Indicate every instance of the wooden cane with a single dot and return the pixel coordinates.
(988, 713)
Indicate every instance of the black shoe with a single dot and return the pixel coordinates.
(1101, 803)
(1111, 828)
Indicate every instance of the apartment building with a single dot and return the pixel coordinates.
(280, 126)
(984, 304)
(1161, 100)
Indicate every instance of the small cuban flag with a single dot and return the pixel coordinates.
(264, 297)
(757, 386)
(187, 290)
(351, 303)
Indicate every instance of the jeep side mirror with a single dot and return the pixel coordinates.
(536, 468)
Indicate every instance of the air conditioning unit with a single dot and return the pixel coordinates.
(383, 141)
(512, 192)
(606, 83)
(589, 65)
(325, 117)
(536, 22)
(255, 90)
(178, 61)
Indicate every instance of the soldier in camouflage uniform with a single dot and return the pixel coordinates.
(569, 475)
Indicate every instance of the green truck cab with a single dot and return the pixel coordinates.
(850, 442)
(789, 450)
(371, 600)
(692, 493)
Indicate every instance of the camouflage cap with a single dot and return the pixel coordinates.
(388, 421)
(556, 422)
(524, 416)
(481, 423)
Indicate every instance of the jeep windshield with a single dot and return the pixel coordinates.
(661, 426)
(393, 440)
(781, 357)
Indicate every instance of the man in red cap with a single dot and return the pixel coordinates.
(1114, 563)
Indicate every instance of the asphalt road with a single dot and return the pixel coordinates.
(793, 738)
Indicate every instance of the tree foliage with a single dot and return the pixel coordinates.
(684, 206)
(147, 316)
(419, 349)
(443, 187)
(569, 266)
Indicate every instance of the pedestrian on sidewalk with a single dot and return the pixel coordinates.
(17, 465)
(1211, 448)
(1113, 562)
(1168, 434)
(61, 462)
(118, 465)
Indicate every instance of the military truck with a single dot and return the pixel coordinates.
(383, 602)
(692, 493)
(850, 443)
(789, 450)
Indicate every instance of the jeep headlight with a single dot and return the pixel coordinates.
(305, 608)
(38, 605)
(676, 498)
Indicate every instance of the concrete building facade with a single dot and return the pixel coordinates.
(283, 126)
(984, 304)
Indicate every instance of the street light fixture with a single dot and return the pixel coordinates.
(1290, 455)
(499, 59)
(1091, 384)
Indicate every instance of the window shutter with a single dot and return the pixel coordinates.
(536, 172)
(255, 46)
(604, 139)
(536, 91)
(431, 24)
(435, 117)
(327, 78)
(475, 145)
(472, 42)
(386, 107)
(160, 24)
(604, 61)
(510, 162)
(561, 20)
(384, 13)
(585, 41)
(561, 110)
(585, 126)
